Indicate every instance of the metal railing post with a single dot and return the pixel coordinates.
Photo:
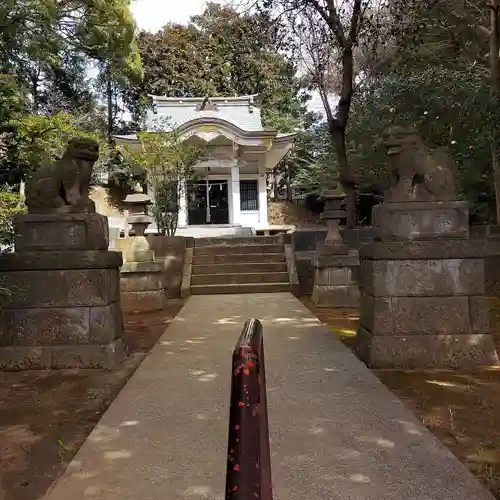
(248, 475)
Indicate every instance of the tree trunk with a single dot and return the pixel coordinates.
(338, 127)
(496, 176)
(274, 186)
(494, 6)
(288, 181)
(338, 136)
(109, 95)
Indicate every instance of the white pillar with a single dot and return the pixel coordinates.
(235, 198)
(262, 187)
(183, 213)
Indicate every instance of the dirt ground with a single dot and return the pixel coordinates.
(45, 416)
(461, 409)
(288, 214)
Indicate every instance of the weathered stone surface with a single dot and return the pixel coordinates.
(187, 272)
(143, 301)
(6, 332)
(64, 309)
(422, 277)
(105, 324)
(20, 358)
(106, 356)
(135, 256)
(324, 248)
(376, 314)
(52, 232)
(493, 231)
(426, 351)
(351, 259)
(335, 280)
(63, 288)
(141, 282)
(64, 185)
(430, 315)
(421, 250)
(421, 220)
(332, 276)
(479, 314)
(422, 301)
(46, 326)
(39, 261)
(170, 251)
(336, 296)
(417, 172)
(142, 267)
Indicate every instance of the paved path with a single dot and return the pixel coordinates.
(337, 433)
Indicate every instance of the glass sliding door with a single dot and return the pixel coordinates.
(208, 202)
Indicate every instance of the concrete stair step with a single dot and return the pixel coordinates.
(237, 249)
(246, 267)
(238, 278)
(241, 258)
(238, 240)
(240, 288)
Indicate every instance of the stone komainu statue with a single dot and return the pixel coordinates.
(64, 185)
(418, 173)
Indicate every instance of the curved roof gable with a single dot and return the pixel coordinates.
(208, 129)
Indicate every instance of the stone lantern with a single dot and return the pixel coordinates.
(335, 265)
(137, 249)
(137, 204)
(142, 280)
(332, 214)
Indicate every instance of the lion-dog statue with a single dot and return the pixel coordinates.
(417, 172)
(63, 186)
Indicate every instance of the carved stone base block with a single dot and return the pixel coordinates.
(421, 220)
(63, 311)
(142, 286)
(423, 305)
(334, 282)
(56, 232)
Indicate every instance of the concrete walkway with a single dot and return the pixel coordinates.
(337, 433)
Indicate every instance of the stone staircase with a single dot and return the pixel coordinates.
(254, 264)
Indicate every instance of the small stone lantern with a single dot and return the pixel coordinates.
(137, 203)
(335, 265)
(332, 214)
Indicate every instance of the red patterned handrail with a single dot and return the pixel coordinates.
(248, 474)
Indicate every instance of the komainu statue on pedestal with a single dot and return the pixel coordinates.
(63, 186)
(418, 173)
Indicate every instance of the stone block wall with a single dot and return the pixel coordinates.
(305, 241)
(305, 250)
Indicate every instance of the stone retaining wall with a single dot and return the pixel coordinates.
(305, 241)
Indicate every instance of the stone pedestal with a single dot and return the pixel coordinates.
(64, 308)
(142, 279)
(334, 280)
(422, 290)
(141, 287)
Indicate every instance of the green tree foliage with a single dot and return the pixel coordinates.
(220, 53)
(40, 140)
(168, 162)
(435, 77)
(10, 204)
(46, 48)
